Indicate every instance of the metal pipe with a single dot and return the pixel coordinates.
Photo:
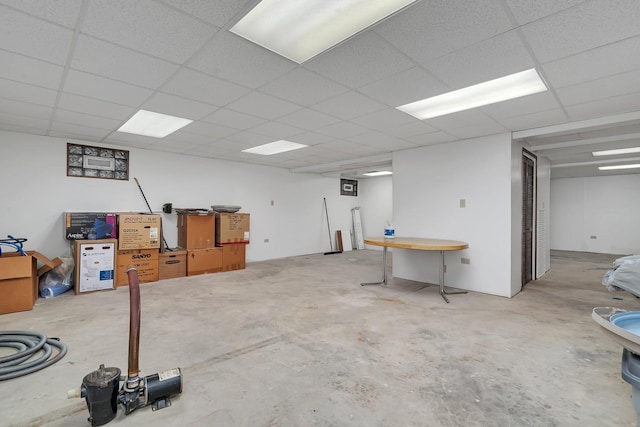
(134, 321)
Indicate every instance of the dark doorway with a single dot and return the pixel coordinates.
(528, 215)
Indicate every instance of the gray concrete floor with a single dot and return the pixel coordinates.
(298, 342)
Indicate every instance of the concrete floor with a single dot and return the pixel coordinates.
(298, 342)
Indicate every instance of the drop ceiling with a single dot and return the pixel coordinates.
(78, 69)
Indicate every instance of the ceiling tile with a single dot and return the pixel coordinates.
(384, 143)
(276, 130)
(234, 119)
(237, 60)
(594, 64)
(215, 12)
(342, 130)
(33, 37)
(589, 25)
(27, 93)
(17, 108)
(202, 87)
(476, 130)
(63, 12)
(246, 139)
(262, 105)
(178, 147)
(79, 131)
(349, 147)
(413, 128)
(147, 26)
(182, 137)
(130, 140)
(311, 138)
(432, 138)
(604, 106)
(430, 29)
(489, 59)
(356, 63)
(95, 107)
(303, 87)
(521, 106)
(349, 105)
(384, 119)
(20, 123)
(176, 106)
(210, 130)
(619, 84)
(31, 71)
(534, 120)
(308, 119)
(526, 11)
(405, 87)
(91, 86)
(118, 63)
(72, 117)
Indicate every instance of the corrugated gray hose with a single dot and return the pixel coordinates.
(28, 345)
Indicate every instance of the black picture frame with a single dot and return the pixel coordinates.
(348, 187)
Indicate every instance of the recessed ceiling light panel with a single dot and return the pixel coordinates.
(617, 167)
(629, 150)
(378, 173)
(274, 148)
(501, 89)
(301, 29)
(156, 125)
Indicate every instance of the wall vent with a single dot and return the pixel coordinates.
(102, 163)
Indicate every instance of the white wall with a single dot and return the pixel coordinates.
(606, 207)
(376, 205)
(35, 191)
(428, 184)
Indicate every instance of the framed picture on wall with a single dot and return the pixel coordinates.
(348, 187)
(97, 162)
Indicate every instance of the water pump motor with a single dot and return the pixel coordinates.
(100, 387)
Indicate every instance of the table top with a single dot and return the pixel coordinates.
(421, 244)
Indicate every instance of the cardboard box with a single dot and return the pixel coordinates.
(95, 265)
(172, 264)
(19, 279)
(196, 231)
(90, 225)
(234, 257)
(232, 228)
(144, 260)
(139, 231)
(203, 261)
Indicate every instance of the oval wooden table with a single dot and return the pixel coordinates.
(420, 244)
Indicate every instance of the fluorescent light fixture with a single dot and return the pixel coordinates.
(274, 148)
(378, 173)
(301, 29)
(501, 89)
(157, 125)
(616, 167)
(629, 150)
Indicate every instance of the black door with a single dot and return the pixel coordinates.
(528, 209)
